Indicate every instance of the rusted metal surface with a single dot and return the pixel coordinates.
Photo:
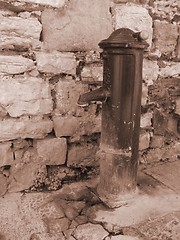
(121, 108)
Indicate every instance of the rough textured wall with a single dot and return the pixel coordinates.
(49, 55)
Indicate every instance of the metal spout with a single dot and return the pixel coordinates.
(100, 94)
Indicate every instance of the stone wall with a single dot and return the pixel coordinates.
(49, 55)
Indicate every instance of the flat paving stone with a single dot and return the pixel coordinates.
(168, 174)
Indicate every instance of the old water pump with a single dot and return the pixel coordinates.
(121, 108)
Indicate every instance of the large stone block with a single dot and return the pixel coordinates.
(166, 35)
(56, 62)
(51, 151)
(133, 17)
(15, 64)
(24, 128)
(82, 155)
(79, 26)
(25, 96)
(19, 32)
(6, 154)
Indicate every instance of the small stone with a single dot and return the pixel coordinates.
(6, 154)
(150, 71)
(146, 120)
(16, 64)
(92, 73)
(51, 151)
(57, 225)
(90, 231)
(177, 111)
(54, 3)
(144, 98)
(157, 141)
(82, 155)
(144, 141)
(3, 185)
(56, 62)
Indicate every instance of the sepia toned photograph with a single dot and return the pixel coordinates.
(89, 119)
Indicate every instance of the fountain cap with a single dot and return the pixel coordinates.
(125, 38)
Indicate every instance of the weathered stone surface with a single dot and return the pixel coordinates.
(24, 128)
(133, 17)
(122, 237)
(160, 123)
(67, 95)
(57, 225)
(15, 64)
(6, 154)
(146, 120)
(157, 141)
(50, 210)
(51, 151)
(171, 70)
(76, 127)
(25, 96)
(16, 31)
(3, 112)
(84, 155)
(83, 27)
(177, 111)
(144, 97)
(144, 140)
(92, 73)
(90, 231)
(56, 62)
(3, 185)
(23, 176)
(47, 236)
(166, 43)
(54, 3)
(150, 71)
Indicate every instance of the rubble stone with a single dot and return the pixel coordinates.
(25, 95)
(23, 176)
(177, 111)
(3, 185)
(133, 17)
(146, 120)
(84, 155)
(24, 128)
(90, 231)
(51, 151)
(144, 141)
(92, 73)
(16, 64)
(91, 26)
(54, 3)
(150, 71)
(56, 62)
(6, 154)
(171, 70)
(166, 43)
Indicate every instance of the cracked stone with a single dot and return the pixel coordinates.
(90, 231)
(3, 185)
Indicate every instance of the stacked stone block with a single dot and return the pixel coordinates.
(49, 55)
